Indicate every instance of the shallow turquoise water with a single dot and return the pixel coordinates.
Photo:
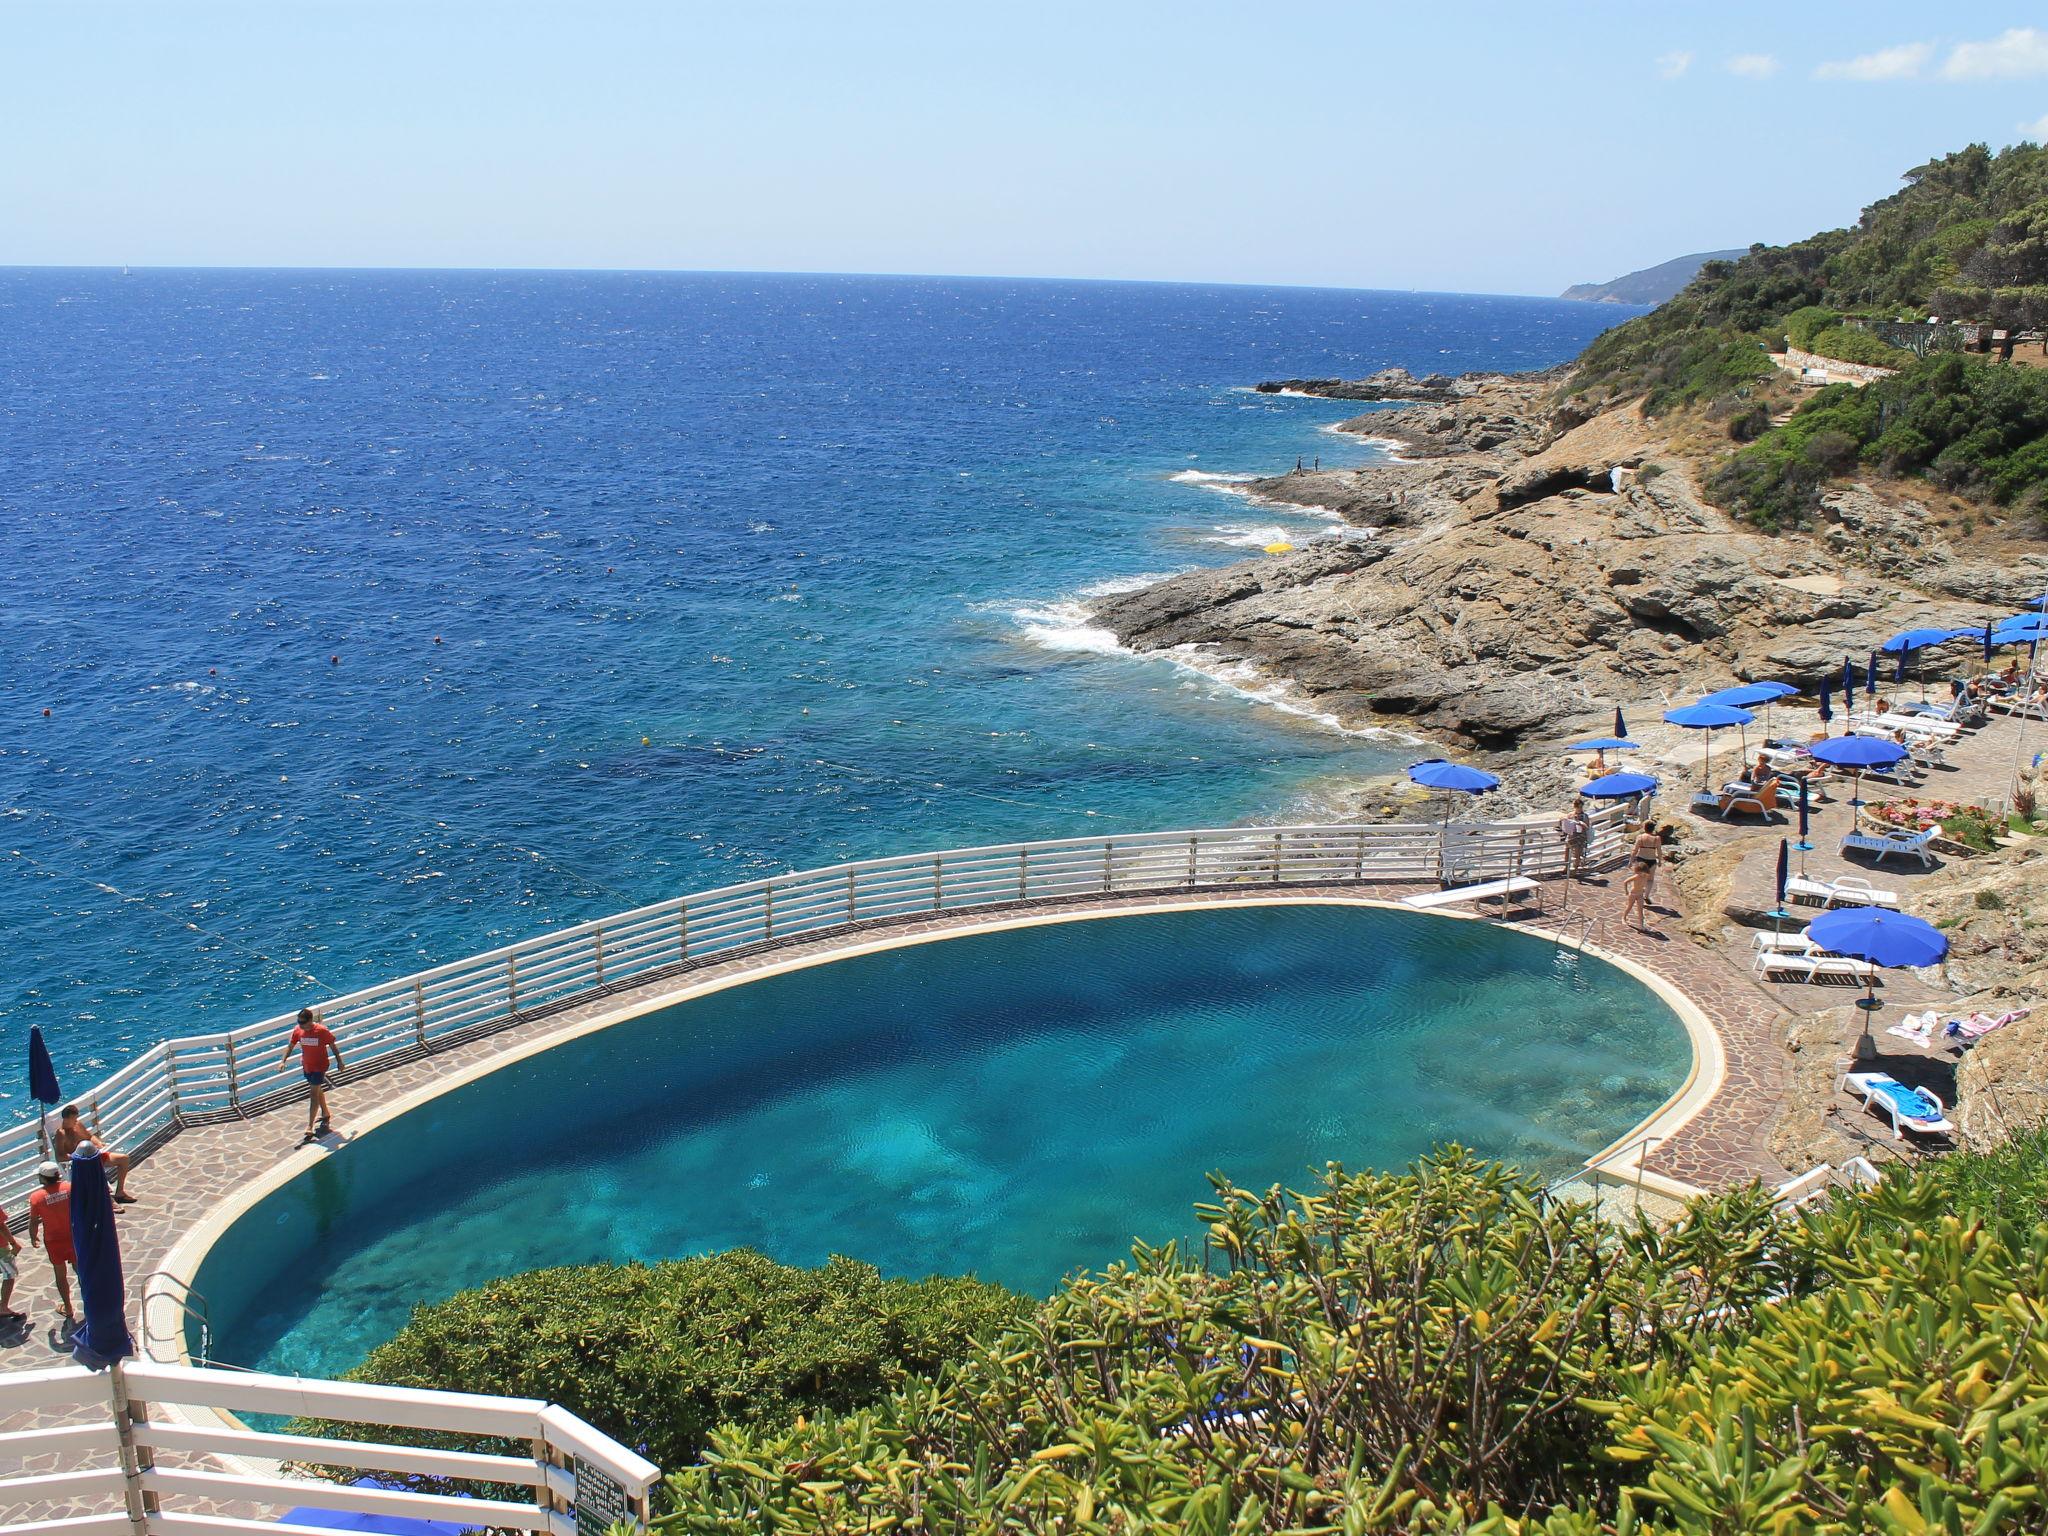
(1015, 1104)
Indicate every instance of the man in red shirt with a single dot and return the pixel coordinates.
(313, 1041)
(49, 1228)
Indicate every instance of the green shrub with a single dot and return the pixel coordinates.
(1971, 829)
(1989, 901)
(1449, 1352)
(1803, 324)
(1849, 345)
(658, 1355)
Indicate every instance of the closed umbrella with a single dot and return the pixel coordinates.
(1827, 707)
(103, 1337)
(1870, 677)
(1882, 937)
(1987, 640)
(1803, 845)
(1848, 684)
(42, 1084)
(1620, 725)
(1784, 873)
(1709, 718)
(1857, 753)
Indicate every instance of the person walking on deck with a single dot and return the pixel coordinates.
(314, 1041)
(1643, 859)
(10, 1270)
(1575, 829)
(49, 1228)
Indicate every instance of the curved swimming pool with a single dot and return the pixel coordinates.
(1015, 1103)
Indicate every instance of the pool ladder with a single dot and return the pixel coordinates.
(188, 1310)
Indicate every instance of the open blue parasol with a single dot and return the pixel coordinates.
(1437, 773)
(1709, 718)
(1857, 753)
(1618, 786)
(1909, 640)
(103, 1337)
(1743, 695)
(1881, 936)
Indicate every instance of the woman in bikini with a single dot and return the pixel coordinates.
(1643, 858)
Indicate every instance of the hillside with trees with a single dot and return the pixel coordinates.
(1965, 239)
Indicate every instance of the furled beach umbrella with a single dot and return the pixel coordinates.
(103, 1337)
(1857, 753)
(1870, 677)
(1899, 671)
(1784, 873)
(1805, 813)
(1709, 718)
(1987, 639)
(1827, 706)
(42, 1084)
(1848, 684)
(1620, 725)
(1883, 937)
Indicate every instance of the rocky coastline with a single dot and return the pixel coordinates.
(1531, 569)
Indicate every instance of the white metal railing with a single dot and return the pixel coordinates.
(198, 1079)
(143, 1450)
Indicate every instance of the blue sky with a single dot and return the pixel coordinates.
(1490, 147)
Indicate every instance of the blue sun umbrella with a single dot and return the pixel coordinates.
(1452, 778)
(1709, 718)
(1743, 695)
(1899, 671)
(1908, 640)
(1882, 937)
(1827, 706)
(1848, 683)
(1857, 753)
(1784, 873)
(1618, 786)
(1987, 640)
(1870, 677)
(103, 1337)
(42, 1082)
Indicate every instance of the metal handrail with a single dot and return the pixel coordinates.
(227, 1074)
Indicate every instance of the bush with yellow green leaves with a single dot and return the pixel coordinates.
(1448, 1351)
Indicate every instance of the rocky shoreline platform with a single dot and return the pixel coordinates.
(1531, 568)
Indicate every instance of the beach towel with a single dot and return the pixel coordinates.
(1911, 1103)
(1916, 1027)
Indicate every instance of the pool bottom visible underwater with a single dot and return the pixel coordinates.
(1015, 1104)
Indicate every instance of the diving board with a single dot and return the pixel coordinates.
(1517, 885)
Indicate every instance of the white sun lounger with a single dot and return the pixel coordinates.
(1844, 891)
(1894, 1100)
(1812, 965)
(2008, 706)
(1899, 720)
(1782, 943)
(1884, 845)
(1518, 885)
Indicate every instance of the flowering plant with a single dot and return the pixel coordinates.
(1915, 814)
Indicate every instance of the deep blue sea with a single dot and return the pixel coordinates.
(383, 617)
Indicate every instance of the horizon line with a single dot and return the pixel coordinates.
(787, 272)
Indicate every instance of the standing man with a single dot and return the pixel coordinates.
(72, 1132)
(49, 1228)
(314, 1040)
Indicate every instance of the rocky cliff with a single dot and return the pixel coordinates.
(1523, 577)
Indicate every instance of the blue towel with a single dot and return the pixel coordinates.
(1910, 1102)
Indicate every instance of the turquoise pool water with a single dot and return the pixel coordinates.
(1014, 1104)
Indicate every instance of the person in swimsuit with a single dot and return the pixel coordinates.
(49, 1228)
(10, 1268)
(72, 1132)
(1643, 858)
